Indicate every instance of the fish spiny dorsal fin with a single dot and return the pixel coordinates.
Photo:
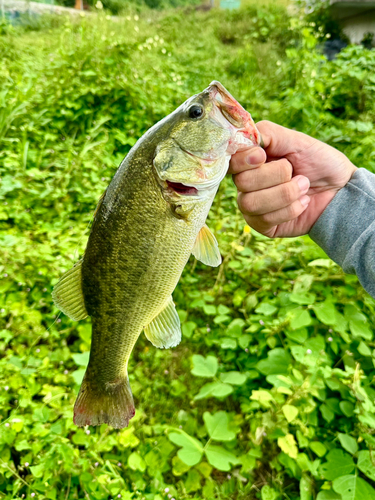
(206, 248)
(67, 294)
(164, 331)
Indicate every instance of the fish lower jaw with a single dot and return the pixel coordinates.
(182, 189)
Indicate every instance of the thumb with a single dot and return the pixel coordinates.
(280, 141)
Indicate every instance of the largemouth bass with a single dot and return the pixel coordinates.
(148, 223)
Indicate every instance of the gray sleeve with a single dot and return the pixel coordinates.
(346, 228)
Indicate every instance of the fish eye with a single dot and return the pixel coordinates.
(196, 111)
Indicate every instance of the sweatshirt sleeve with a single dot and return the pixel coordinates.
(346, 228)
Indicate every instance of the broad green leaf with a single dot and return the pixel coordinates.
(306, 487)
(178, 466)
(303, 298)
(325, 312)
(82, 358)
(193, 481)
(206, 390)
(220, 458)
(328, 495)
(327, 413)
(209, 309)
(136, 462)
(222, 390)
(318, 448)
(191, 449)
(321, 263)
(338, 464)
(364, 349)
(244, 341)
(288, 445)
(348, 443)
(215, 389)
(268, 493)
(188, 328)
(353, 488)
(217, 426)
(228, 343)
(38, 470)
(360, 329)
(266, 309)
(204, 367)
(235, 378)
(290, 412)
(366, 463)
(299, 319)
(78, 375)
(299, 335)
(347, 408)
(235, 327)
(277, 362)
(264, 397)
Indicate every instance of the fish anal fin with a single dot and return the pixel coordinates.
(164, 331)
(67, 294)
(206, 248)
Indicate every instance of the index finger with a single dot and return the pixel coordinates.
(248, 159)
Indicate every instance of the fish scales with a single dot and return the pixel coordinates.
(148, 223)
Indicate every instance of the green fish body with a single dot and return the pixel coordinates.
(149, 221)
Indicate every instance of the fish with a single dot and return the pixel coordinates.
(149, 221)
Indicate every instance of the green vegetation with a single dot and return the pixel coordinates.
(269, 394)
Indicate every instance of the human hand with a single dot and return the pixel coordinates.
(284, 188)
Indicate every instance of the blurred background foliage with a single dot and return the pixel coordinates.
(269, 396)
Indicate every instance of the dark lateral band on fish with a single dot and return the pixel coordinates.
(147, 224)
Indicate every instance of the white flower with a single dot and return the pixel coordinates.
(309, 351)
(136, 18)
(99, 4)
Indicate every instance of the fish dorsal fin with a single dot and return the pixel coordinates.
(206, 248)
(67, 294)
(164, 331)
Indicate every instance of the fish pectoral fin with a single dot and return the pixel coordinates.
(67, 294)
(206, 248)
(164, 331)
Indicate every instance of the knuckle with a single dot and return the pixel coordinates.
(288, 194)
(292, 211)
(247, 203)
(242, 181)
(286, 170)
(264, 123)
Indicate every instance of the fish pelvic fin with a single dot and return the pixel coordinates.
(67, 293)
(108, 403)
(164, 331)
(206, 248)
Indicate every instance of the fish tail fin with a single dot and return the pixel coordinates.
(109, 403)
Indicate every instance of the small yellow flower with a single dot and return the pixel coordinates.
(247, 229)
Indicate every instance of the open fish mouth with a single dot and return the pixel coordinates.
(244, 131)
(182, 189)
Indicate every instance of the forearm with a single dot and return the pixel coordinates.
(346, 229)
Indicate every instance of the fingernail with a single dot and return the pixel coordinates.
(303, 183)
(305, 200)
(256, 157)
